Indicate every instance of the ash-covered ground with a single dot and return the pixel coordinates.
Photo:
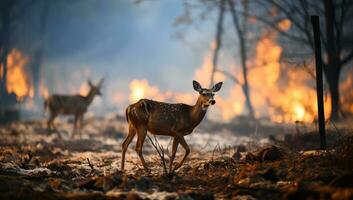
(226, 162)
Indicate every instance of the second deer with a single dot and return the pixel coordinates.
(76, 105)
(159, 118)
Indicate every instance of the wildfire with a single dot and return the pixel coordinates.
(278, 92)
(17, 79)
(283, 94)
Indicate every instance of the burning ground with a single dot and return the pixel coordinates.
(224, 164)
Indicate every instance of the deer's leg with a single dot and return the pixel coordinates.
(74, 131)
(174, 150)
(126, 143)
(187, 151)
(50, 122)
(80, 123)
(141, 135)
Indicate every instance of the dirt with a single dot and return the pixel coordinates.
(38, 164)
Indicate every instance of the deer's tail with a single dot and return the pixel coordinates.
(127, 111)
(45, 105)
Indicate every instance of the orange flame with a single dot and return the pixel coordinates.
(142, 89)
(283, 94)
(284, 25)
(17, 80)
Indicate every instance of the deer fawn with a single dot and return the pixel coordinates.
(159, 118)
(71, 105)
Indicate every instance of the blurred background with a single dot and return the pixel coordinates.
(261, 50)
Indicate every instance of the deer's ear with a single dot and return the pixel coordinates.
(100, 82)
(90, 83)
(196, 86)
(217, 87)
(99, 92)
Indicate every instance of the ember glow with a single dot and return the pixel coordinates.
(17, 78)
(284, 25)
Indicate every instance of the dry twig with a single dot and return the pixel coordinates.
(160, 150)
(90, 165)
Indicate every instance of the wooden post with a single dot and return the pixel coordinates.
(319, 85)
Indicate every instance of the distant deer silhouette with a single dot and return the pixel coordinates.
(159, 118)
(76, 105)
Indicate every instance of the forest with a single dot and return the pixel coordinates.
(179, 99)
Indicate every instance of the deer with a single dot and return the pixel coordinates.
(76, 105)
(160, 118)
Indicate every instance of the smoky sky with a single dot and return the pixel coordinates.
(121, 41)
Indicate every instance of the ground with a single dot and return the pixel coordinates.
(37, 164)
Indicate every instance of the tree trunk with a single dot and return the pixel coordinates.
(38, 54)
(218, 41)
(332, 68)
(243, 57)
(245, 77)
(332, 76)
(3, 90)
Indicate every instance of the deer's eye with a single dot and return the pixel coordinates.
(208, 94)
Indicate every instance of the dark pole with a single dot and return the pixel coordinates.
(319, 85)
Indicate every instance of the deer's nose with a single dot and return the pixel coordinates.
(212, 102)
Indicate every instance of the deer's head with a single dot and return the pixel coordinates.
(207, 95)
(95, 89)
